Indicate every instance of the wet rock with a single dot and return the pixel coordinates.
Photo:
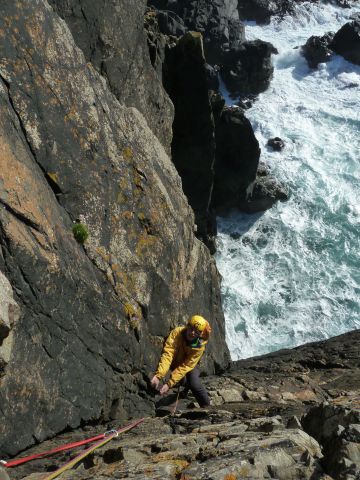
(346, 41)
(317, 49)
(276, 144)
(261, 10)
(334, 428)
(237, 157)
(212, 74)
(248, 69)
(265, 192)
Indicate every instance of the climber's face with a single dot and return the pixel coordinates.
(192, 333)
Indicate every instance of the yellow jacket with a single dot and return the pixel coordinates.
(179, 356)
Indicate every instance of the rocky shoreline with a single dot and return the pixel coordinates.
(290, 414)
(112, 120)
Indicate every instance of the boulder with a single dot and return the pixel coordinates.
(264, 193)
(9, 316)
(218, 21)
(276, 144)
(248, 69)
(317, 49)
(346, 41)
(337, 429)
(262, 10)
(237, 156)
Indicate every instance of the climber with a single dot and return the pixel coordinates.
(181, 353)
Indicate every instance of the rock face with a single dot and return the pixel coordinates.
(261, 10)
(218, 21)
(9, 316)
(216, 161)
(112, 38)
(337, 427)
(193, 146)
(346, 41)
(93, 316)
(237, 157)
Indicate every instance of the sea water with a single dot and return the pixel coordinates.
(291, 274)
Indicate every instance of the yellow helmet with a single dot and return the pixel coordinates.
(198, 322)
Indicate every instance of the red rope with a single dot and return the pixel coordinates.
(69, 446)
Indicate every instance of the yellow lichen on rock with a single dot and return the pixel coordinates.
(127, 153)
(144, 244)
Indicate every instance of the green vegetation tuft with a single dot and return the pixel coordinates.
(80, 232)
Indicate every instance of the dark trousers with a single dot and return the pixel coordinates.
(192, 382)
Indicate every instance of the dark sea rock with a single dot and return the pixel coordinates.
(86, 321)
(170, 24)
(248, 69)
(266, 191)
(276, 144)
(193, 145)
(346, 41)
(237, 155)
(317, 49)
(262, 10)
(217, 20)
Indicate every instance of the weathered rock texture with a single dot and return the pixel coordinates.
(93, 316)
(237, 157)
(316, 50)
(248, 69)
(289, 415)
(263, 10)
(9, 315)
(217, 20)
(346, 41)
(112, 38)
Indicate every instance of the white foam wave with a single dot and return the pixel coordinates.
(291, 275)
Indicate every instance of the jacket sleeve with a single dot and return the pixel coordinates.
(188, 364)
(167, 355)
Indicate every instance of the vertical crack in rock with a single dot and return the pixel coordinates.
(21, 217)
